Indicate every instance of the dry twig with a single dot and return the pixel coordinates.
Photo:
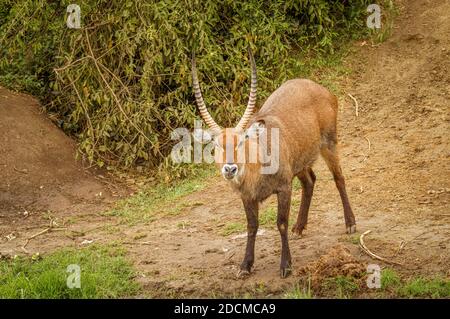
(403, 243)
(368, 151)
(368, 141)
(23, 171)
(38, 234)
(116, 99)
(356, 104)
(371, 254)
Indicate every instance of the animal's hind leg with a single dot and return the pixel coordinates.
(330, 156)
(307, 178)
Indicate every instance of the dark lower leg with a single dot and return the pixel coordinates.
(284, 200)
(251, 211)
(307, 179)
(332, 160)
(348, 213)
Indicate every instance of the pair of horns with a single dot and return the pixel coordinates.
(204, 111)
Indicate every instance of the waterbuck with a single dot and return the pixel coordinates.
(304, 115)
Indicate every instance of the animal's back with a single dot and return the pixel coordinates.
(305, 112)
(301, 98)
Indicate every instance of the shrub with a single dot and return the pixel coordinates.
(122, 83)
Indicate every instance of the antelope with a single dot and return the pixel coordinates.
(305, 114)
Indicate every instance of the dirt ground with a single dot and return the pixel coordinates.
(395, 156)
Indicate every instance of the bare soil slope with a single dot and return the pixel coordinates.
(39, 175)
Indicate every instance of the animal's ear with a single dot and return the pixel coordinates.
(202, 136)
(255, 130)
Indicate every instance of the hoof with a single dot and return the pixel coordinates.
(298, 230)
(351, 229)
(242, 273)
(285, 272)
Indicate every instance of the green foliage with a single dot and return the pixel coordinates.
(299, 292)
(343, 286)
(389, 279)
(104, 274)
(421, 287)
(122, 83)
(267, 218)
(392, 286)
(416, 287)
(233, 228)
(390, 11)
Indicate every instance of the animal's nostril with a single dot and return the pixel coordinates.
(229, 170)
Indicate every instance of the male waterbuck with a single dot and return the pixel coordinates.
(304, 115)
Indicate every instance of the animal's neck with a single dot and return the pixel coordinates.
(249, 178)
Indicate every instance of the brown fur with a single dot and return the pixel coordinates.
(305, 114)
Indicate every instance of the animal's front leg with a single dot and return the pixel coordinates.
(284, 203)
(251, 211)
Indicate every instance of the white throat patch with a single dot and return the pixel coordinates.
(237, 179)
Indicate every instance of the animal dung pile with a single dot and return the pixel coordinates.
(338, 261)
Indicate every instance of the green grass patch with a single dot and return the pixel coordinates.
(392, 286)
(390, 12)
(161, 199)
(104, 273)
(354, 239)
(389, 279)
(233, 228)
(341, 287)
(267, 217)
(299, 291)
(425, 288)
(419, 287)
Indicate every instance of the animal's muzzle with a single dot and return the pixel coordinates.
(229, 171)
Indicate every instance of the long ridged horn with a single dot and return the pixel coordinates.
(252, 98)
(199, 99)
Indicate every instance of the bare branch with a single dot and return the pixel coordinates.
(371, 254)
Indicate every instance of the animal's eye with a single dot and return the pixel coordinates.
(240, 144)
